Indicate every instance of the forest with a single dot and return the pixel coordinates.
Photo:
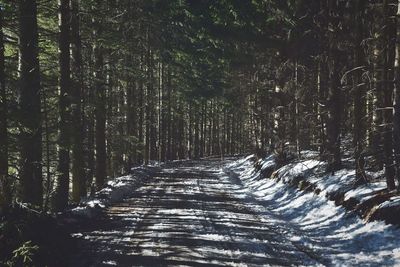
(90, 89)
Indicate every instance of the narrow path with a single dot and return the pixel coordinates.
(188, 215)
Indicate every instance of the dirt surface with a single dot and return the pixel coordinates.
(189, 214)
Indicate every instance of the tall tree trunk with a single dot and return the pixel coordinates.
(322, 81)
(111, 103)
(149, 91)
(62, 190)
(163, 118)
(5, 192)
(90, 147)
(215, 129)
(210, 123)
(49, 181)
(396, 118)
(190, 129)
(100, 107)
(228, 133)
(376, 100)
(334, 102)
(233, 133)
(152, 111)
(141, 152)
(334, 117)
(196, 141)
(180, 133)
(159, 105)
(388, 76)
(169, 115)
(359, 98)
(141, 113)
(279, 124)
(131, 120)
(202, 128)
(78, 165)
(30, 104)
(119, 166)
(132, 110)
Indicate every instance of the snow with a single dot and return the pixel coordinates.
(309, 154)
(364, 192)
(110, 263)
(333, 233)
(309, 222)
(292, 170)
(115, 191)
(393, 201)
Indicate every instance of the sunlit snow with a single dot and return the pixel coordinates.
(335, 234)
(227, 214)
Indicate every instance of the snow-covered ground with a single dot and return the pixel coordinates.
(115, 191)
(190, 214)
(227, 213)
(333, 233)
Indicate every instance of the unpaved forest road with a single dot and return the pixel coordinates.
(189, 214)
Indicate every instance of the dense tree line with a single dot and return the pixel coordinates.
(91, 88)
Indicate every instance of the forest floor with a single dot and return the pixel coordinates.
(220, 213)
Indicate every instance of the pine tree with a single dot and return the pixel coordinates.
(359, 93)
(78, 172)
(100, 103)
(62, 190)
(30, 105)
(5, 190)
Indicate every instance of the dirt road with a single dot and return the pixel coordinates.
(189, 214)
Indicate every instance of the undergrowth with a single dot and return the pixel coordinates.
(32, 239)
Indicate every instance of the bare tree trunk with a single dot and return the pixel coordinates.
(100, 107)
(62, 190)
(49, 181)
(196, 131)
(320, 111)
(5, 190)
(90, 148)
(79, 189)
(149, 89)
(180, 134)
(202, 128)
(334, 102)
(396, 118)
(388, 75)
(152, 109)
(142, 152)
(210, 121)
(377, 115)
(359, 101)
(333, 124)
(30, 104)
(163, 118)
(131, 121)
(190, 131)
(169, 115)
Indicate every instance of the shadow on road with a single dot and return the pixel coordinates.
(184, 216)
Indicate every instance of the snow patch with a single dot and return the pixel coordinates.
(328, 230)
(115, 191)
(393, 201)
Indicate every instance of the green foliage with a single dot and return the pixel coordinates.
(28, 238)
(23, 255)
